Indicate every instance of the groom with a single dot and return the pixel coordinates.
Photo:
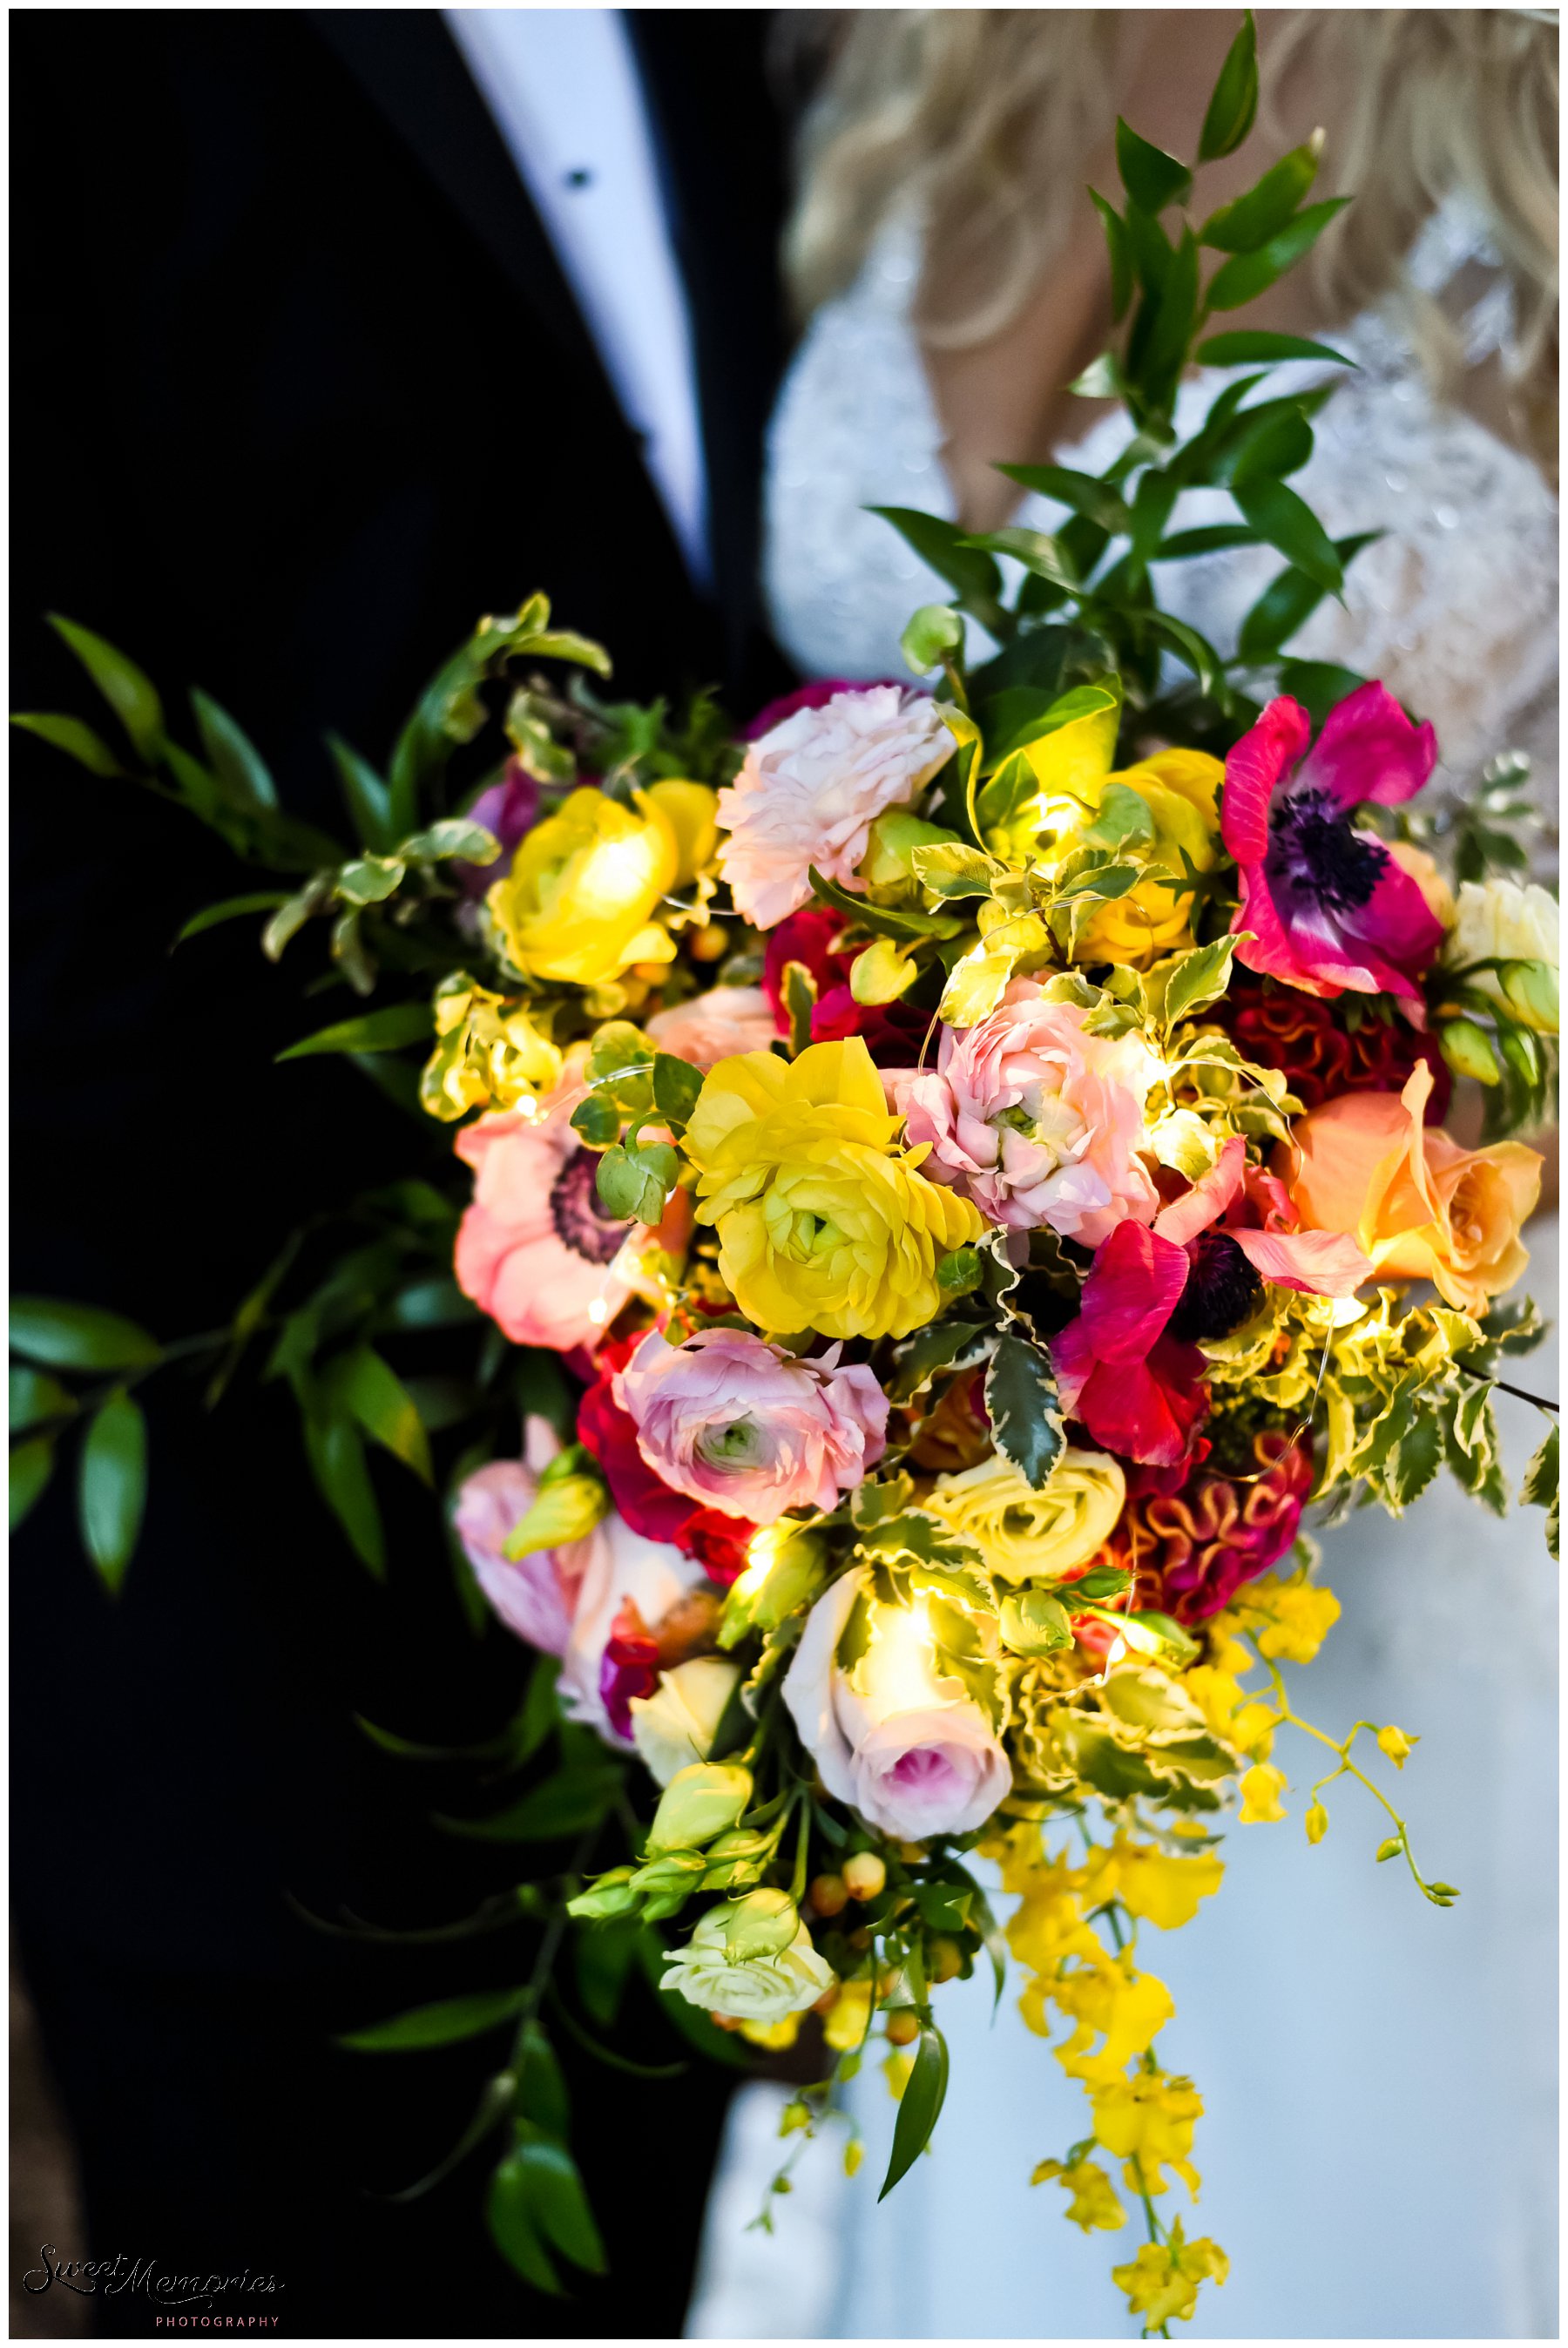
(314, 363)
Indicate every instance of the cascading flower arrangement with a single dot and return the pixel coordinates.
(948, 1180)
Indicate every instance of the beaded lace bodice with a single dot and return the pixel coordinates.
(1455, 608)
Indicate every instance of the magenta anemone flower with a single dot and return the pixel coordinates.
(1129, 1366)
(1328, 907)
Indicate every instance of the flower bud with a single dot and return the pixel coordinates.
(1316, 1822)
(760, 1925)
(947, 1960)
(829, 1894)
(1468, 1050)
(572, 1497)
(612, 1895)
(863, 1875)
(1530, 989)
(783, 1571)
(903, 2027)
(1396, 1745)
(699, 1803)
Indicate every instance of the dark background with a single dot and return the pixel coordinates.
(297, 394)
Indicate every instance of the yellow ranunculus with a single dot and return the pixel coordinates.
(1023, 1533)
(579, 903)
(1178, 789)
(822, 1222)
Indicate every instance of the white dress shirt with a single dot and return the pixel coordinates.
(563, 87)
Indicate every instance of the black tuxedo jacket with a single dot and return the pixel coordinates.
(299, 390)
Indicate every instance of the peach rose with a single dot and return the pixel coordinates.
(714, 1027)
(1421, 1206)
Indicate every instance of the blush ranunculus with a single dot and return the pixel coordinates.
(1329, 907)
(1420, 1206)
(749, 1429)
(1129, 1366)
(534, 1250)
(711, 1027)
(812, 788)
(536, 1596)
(895, 1737)
(650, 1506)
(1034, 1120)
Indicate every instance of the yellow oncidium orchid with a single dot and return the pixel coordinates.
(1147, 2121)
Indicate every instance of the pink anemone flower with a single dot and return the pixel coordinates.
(1328, 907)
(1129, 1366)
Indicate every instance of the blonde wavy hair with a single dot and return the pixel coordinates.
(988, 118)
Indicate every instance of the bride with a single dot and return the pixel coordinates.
(1379, 2144)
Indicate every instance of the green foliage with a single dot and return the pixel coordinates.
(1025, 1418)
(111, 1488)
(919, 2106)
(77, 1336)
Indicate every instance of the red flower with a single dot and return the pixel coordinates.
(1277, 1026)
(808, 697)
(1128, 1365)
(1327, 907)
(1191, 1541)
(810, 937)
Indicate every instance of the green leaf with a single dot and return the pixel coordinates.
(361, 1383)
(940, 545)
(338, 1464)
(956, 870)
(1230, 112)
(1413, 1461)
(129, 694)
(1026, 1418)
(35, 1398)
(676, 1085)
(1119, 253)
(1277, 514)
(1195, 650)
(77, 1336)
(541, 2090)
(233, 755)
(885, 920)
(1199, 979)
(1150, 176)
(1242, 278)
(1081, 491)
(1262, 211)
(365, 796)
(454, 835)
(1288, 601)
(111, 1487)
(1034, 1622)
(231, 909)
(919, 2106)
(373, 1031)
(1538, 1489)
(69, 735)
(370, 880)
(633, 1183)
(1035, 549)
(929, 1352)
(443, 2024)
(1213, 538)
(598, 1119)
(559, 2203)
(570, 1803)
(1249, 347)
(31, 1464)
(514, 2227)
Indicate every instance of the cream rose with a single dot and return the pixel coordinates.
(1498, 920)
(676, 1726)
(895, 1737)
(1024, 1535)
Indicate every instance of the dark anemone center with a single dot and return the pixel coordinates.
(1223, 1289)
(577, 1214)
(1316, 851)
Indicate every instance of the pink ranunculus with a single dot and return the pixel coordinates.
(1037, 1121)
(1128, 1365)
(747, 1428)
(1329, 907)
(628, 1586)
(536, 1596)
(536, 1250)
(899, 1741)
(714, 1027)
(810, 789)
(507, 810)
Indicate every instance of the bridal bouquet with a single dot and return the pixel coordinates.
(937, 1188)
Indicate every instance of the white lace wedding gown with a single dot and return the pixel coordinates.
(1379, 2145)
